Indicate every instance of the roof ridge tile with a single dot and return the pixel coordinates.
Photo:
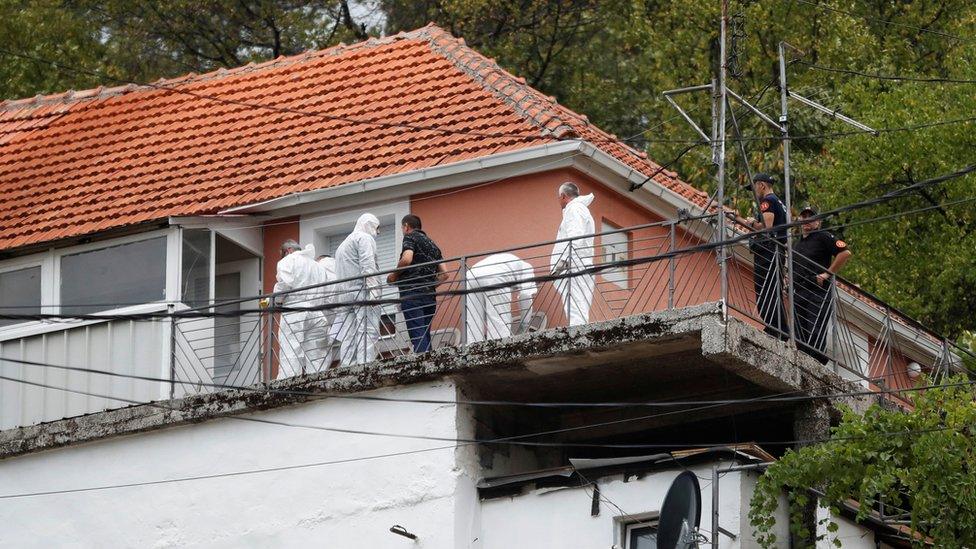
(497, 80)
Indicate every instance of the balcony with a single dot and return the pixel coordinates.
(635, 272)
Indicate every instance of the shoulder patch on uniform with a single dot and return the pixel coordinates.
(764, 205)
(841, 244)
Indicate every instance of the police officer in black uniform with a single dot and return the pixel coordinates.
(769, 252)
(817, 256)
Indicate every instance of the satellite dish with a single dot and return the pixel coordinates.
(681, 514)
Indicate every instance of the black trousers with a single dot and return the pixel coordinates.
(813, 312)
(767, 277)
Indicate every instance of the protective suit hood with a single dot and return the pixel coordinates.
(367, 223)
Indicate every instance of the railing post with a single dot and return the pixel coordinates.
(172, 352)
(463, 274)
(267, 316)
(834, 325)
(569, 284)
(365, 328)
(671, 269)
(889, 329)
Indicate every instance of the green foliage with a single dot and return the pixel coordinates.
(922, 461)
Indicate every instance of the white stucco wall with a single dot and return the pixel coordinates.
(343, 505)
(850, 534)
(559, 518)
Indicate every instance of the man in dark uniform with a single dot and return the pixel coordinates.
(817, 256)
(768, 252)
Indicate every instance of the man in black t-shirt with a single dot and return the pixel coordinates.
(768, 252)
(818, 256)
(417, 284)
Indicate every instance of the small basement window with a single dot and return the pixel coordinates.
(640, 535)
(114, 277)
(20, 293)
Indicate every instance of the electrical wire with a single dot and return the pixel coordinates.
(891, 195)
(422, 450)
(543, 132)
(778, 398)
(883, 21)
(894, 78)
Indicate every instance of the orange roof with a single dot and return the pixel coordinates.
(81, 162)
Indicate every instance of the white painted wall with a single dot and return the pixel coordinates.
(342, 505)
(850, 534)
(560, 518)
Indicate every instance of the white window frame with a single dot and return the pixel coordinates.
(50, 262)
(629, 528)
(623, 524)
(605, 227)
(28, 262)
(310, 225)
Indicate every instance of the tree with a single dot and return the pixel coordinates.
(46, 28)
(148, 38)
(923, 460)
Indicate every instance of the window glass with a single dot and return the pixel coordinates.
(20, 293)
(614, 249)
(641, 537)
(112, 277)
(195, 289)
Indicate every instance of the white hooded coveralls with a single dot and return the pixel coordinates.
(576, 291)
(358, 326)
(488, 314)
(303, 342)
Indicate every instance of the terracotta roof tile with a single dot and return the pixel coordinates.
(81, 162)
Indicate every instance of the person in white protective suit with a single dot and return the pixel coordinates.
(488, 314)
(576, 255)
(302, 335)
(329, 293)
(358, 326)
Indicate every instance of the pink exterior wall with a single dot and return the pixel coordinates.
(523, 210)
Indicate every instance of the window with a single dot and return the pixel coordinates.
(196, 267)
(20, 293)
(641, 535)
(112, 277)
(615, 248)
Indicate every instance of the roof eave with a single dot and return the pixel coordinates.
(548, 150)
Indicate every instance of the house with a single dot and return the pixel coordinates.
(140, 202)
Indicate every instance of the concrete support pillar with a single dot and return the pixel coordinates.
(811, 424)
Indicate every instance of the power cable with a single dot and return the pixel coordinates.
(782, 397)
(883, 21)
(895, 78)
(422, 450)
(894, 194)
(288, 110)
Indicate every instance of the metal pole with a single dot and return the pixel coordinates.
(569, 285)
(785, 134)
(172, 352)
(671, 271)
(715, 480)
(834, 326)
(463, 273)
(722, 99)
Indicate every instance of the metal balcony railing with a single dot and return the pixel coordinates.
(498, 294)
